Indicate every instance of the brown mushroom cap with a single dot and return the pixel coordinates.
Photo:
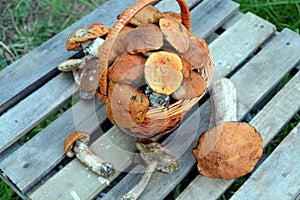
(197, 54)
(71, 140)
(176, 34)
(144, 38)
(126, 105)
(191, 87)
(163, 72)
(174, 16)
(148, 14)
(150, 151)
(128, 69)
(89, 75)
(229, 150)
(85, 34)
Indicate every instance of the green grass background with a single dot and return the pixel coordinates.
(25, 24)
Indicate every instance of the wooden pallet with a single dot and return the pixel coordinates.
(245, 48)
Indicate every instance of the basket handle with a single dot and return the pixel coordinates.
(123, 19)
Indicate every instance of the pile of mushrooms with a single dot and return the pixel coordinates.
(230, 149)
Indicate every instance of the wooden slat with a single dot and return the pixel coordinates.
(32, 110)
(186, 161)
(50, 186)
(282, 182)
(285, 103)
(26, 74)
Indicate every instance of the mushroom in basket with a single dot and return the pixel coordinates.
(230, 149)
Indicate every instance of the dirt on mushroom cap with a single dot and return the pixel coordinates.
(229, 150)
(163, 72)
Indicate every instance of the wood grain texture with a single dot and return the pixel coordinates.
(28, 72)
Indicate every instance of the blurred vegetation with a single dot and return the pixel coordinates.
(25, 24)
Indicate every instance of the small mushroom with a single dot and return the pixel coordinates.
(148, 14)
(163, 72)
(144, 38)
(76, 144)
(84, 35)
(230, 149)
(158, 158)
(176, 34)
(72, 65)
(128, 69)
(191, 87)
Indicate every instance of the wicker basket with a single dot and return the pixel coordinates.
(161, 120)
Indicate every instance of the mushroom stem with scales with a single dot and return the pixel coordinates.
(230, 149)
(76, 144)
(158, 158)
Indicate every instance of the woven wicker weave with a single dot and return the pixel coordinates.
(161, 120)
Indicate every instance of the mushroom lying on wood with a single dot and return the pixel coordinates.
(76, 144)
(85, 34)
(158, 158)
(230, 149)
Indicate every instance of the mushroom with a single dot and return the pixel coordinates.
(76, 144)
(72, 65)
(176, 34)
(174, 16)
(144, 38)
(82, 37)
(128, 69)
(163, 72)
(158, 158)
(230, 149)
(148, 14)
(126, 105)
(198, 53)
(191, 87)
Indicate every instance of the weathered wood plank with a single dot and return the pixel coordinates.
(211, 14)
(28, 72)
(34, 159)
(282, 182)
(187, 160)
(268, 123)
(36, 107)
(229, 13)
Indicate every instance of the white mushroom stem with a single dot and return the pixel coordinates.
(224, 106)
(137, 190)
(76, 76)
(92, 48)
(92, 161)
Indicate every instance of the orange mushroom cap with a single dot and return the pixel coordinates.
(148, 14)
(229, 150)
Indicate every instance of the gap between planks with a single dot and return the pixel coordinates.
(253, 45)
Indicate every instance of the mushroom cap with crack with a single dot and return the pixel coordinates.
(163, 72)
(85, 34)
(176, 34)
(148, 14)
(150, 151)
(71, 140)
(128, 69)
(229, 150)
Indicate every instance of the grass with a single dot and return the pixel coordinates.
(25, 24)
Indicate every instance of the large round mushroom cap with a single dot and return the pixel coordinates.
(71, 140)
(89, 75)
(148, 14)
(163, 72)
(229, 150)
